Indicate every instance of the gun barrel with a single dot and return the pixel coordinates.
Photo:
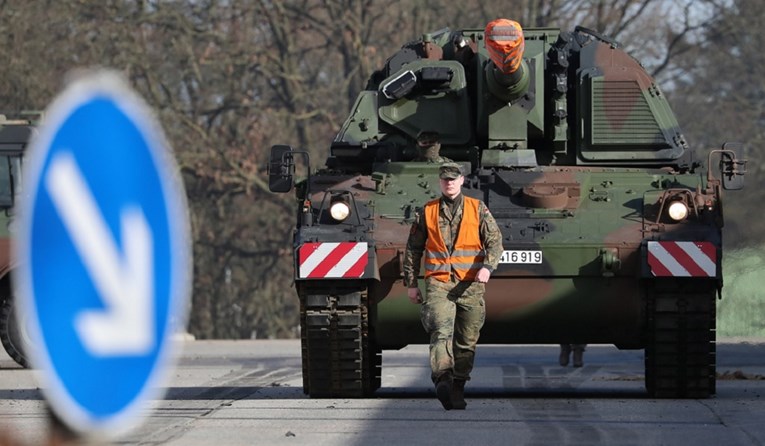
(508, 77)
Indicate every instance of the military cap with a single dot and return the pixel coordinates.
(450, 171)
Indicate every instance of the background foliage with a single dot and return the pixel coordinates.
(229, 78)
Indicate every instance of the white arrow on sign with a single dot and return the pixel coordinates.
(124, 282)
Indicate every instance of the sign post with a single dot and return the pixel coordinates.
(104, 258)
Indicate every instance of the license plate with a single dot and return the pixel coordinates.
(525, 257)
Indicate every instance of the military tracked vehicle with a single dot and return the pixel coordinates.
(611, 223)
(15, 132)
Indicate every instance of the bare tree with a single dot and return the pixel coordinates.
(721, 99)
(229, 78)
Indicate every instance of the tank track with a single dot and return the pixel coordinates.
(340, 355)
(680, 355)
(9, 333)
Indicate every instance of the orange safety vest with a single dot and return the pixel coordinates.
(467, 255)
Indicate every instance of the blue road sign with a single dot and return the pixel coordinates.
(103, 254)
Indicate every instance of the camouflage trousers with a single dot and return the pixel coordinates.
(452, 315)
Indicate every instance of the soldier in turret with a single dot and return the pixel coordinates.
(462, 245)
(429, 148)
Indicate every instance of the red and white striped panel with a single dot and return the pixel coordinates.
(332, 260)
(682, 259)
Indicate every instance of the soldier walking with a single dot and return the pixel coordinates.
(462, 245)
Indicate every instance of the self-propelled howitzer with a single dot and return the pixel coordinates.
(611, 229)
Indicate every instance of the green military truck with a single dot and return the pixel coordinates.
(611, 221)
(15, 133)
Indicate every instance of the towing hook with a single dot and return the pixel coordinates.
(609, 261)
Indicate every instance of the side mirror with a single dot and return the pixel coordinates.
(280, 168)
(733, 165)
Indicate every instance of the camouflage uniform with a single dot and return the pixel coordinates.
(453, 312)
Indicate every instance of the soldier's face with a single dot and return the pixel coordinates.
(451, 187)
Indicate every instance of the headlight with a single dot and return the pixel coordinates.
(339, 210)
(677, 211)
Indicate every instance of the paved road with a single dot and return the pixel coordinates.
(249, 393)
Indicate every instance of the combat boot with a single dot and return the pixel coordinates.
(444, 390)
(458, 394)
(565, 351)
(578, 355)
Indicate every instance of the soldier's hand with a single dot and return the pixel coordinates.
(415, 296)
(483, 275)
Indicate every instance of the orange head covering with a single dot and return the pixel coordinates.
(504, 42)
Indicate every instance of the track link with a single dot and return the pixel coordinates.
(680, 356)
(340, 357)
